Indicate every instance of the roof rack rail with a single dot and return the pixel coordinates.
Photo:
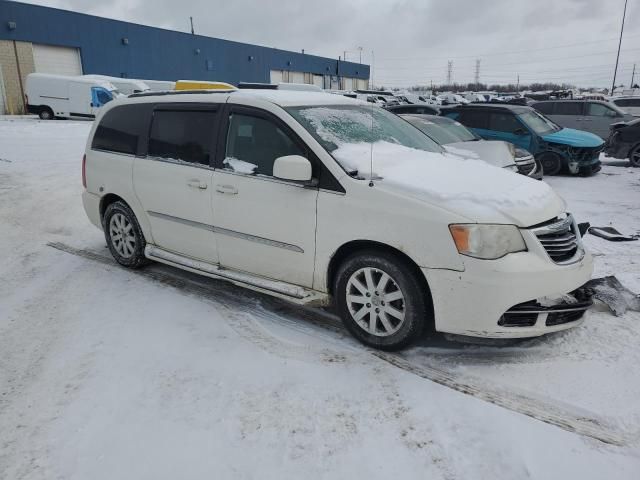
(179, 92)
(258, 85)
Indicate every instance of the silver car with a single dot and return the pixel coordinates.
(630, 104)
(589, 115)
(458, 139)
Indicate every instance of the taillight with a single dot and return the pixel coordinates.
(84, 170)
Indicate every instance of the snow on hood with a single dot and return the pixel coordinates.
(467, 186)
(494, 152)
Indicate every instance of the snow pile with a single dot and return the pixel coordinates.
(240, 166)
(443, 177)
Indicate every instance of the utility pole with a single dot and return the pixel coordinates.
(360, 50)
(518, 84)
(624, 13)
(633, 74)
(449, 71)
(191, 20)
(345, 55)
(477, 76)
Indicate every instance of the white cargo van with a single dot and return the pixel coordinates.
(58, 96)
(160, 85)
(125, 86)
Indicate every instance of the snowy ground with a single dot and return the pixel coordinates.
(107, 373)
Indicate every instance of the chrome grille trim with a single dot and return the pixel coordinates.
(561, 240)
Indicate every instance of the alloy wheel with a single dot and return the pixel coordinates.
(375, 302)
(122, 235)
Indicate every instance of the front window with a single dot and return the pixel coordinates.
(539, 123)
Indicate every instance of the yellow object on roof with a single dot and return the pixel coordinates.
(202, 85)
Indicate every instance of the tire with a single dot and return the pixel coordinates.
(120, 222)
(46, 114)
(551, 163)
(358, 278)
(634, 156)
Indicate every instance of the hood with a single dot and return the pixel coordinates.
(496, 153)
(468, 187)
(574, 138)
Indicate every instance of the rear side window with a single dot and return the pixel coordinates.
(628, 102)
(600, 110)
(121, 128)
(182, 135)
(474, 119)
(569, 108)
(546, 108)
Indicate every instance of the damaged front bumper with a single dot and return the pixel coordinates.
(549, 312)
(583, 160)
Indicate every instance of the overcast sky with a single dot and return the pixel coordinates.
(571, 41)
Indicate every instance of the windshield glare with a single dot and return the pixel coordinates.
(538, 123)
(336, 125)
(444, 133)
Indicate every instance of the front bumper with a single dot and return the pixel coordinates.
(474, 301)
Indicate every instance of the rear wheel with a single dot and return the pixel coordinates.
(380, 300)
(634, 156)
(124, 235)
(551, 163)
(46, 114)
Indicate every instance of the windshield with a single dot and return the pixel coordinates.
(443, 133)
(538, 123)
(337, 125)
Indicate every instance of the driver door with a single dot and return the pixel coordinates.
(510, 129)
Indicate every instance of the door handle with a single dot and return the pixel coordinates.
(197, 184)
(228, 189)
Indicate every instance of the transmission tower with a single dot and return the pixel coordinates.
(449, 71)
(477, 75)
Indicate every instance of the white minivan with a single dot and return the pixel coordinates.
(321, 199)
(60, 96)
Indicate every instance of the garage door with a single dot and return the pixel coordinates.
(57, 60)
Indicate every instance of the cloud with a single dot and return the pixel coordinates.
(570, 40)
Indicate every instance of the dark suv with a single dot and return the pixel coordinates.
(556, 148)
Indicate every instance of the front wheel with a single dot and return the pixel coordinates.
(551, 163)
(46, 114)
(634, 156)
(380, 300)
(124, 235)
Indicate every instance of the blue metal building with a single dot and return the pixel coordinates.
(123, 49)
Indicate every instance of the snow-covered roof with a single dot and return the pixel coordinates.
(292, 98)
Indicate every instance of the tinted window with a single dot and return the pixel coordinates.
(628, 102)
(504, 122)
(600, 110)
(568, 108)
(103, 96)
(546, 108)
(182, 135)
(254, 143)
(120, 128)
(477, 119)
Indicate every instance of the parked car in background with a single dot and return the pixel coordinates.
(418, 99)
(295, 195)
(624, 141)
(591, 115)
(555, 147)
(59, 96)
(452, 99)
(419, 109)
(456, 136)
(124, 86)
(631, 105)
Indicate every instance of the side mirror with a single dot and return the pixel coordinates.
(520, 132)
(292, 167)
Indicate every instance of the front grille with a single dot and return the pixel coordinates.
(559, 239)
(526, 167)
(526, 314)
(558, 318)
(522, 315)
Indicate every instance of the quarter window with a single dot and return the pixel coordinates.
(120, 129)
(182, 135)
(254, 143)
(474, 119)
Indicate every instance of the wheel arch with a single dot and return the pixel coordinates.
(355, 246)
(107, 200)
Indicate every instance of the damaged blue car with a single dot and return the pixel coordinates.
(558, 149)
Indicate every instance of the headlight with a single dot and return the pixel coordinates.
(521, 153)
(487, 241)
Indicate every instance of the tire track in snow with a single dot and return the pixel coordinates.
(566, 417)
